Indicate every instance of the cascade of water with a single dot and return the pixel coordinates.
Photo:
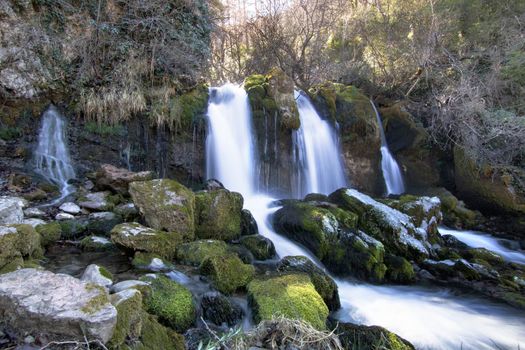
(431, 319)
(317, 151)
(51, 157)
(391, 172)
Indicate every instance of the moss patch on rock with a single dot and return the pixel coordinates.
(172, 303)
(18, 243)
(261, 247)
(129, 318)
(292, 296)
(194, 253)
(218, 214)
(227, 272)
(49, 233)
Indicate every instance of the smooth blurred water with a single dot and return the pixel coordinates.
(477, 239)
(390, 168)
(429, 318)
(51, 157)
(317, 152)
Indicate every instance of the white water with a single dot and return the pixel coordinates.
(318, 154)
(476, 239)
(390, 168)
(430, 319)
(51, 157)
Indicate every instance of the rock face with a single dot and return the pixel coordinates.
(166, 205)
(218, 214)
(57, 305)
(11, 210)
(134, 237)
(117, 179)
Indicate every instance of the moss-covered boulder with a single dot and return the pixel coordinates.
(455, 212)
(393, 228)
(248, 223)
(133, 237)
(156, 336)
(49, 233)
(487, 188)
(73, 228)
(360, 133)
(227, 272)
(218, 214)
(323, 283)
(165, 205)
(129, 317)
(172, 303)
(399, 270)
(102, 223)
(18, 242)
(194, 253)
(291, 295)
(261, 247)
(96, 244)
(330, 234)
(369, 337)
(220, 310)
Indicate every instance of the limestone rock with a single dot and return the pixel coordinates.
(97, 201)
(165, 205)
(118, 179)
(33, 222)
(96, 274)
(57, 305)
(64, 216)
(11, 210)
(70, 207)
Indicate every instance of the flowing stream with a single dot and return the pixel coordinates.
(51, 157)
(389, 167)
(429, 318)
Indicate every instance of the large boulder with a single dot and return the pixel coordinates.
(109, 177)
(18, 243)
(194, 253)
(396, 230)
(165, 205)
(227, 272)
(323, 283)
(56, 305)
(133, 237)
(11, 210)
(97, 201)
(261, 247)
(218, 214)
(292, 296)
(219, 310)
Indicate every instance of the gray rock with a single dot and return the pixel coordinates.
(96, 201)
(33, 222)
(34, 213)
(11, 210)
(92, 274)
(64, 216)
(101, 223)
(129, 284)
(57, 305)
(70, 207)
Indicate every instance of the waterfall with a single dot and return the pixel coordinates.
(429, 318)
(51, 158)
(316, 148)
(230, 155)
(391, 172)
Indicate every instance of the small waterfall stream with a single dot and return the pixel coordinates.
(429, 318)
(51, 157)
(391, 172)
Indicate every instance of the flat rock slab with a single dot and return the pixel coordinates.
(57, 305)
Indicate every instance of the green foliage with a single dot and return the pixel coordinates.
(105, 129)
(10, 133)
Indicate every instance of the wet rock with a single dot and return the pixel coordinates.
(227, 272)
(102, 223)
(57, 305)
(118, 179)
(70, 208)
(134, 237)
(218, 214)
(165, 205)
(219, 310)
(35, 213)
(292, 295)
(11, 210)
(97, 201)
(150, 262)
(96, 244)
(128, 211)
(323, 283)
(261, 247)
(73, 228)
(64, 216)
(213, 184)
(369, 337)
(248, 224)
(194, 253)
(97, 274)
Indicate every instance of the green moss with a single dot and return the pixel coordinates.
(193, 104)
(472, 254)
(156, 336)
(72, 228)
(14, 264)
(96, 303)
(194, 253)
(356, 337)
(227, 272)
(89, 245)
(399, 269)
(29, 241)
(129, 321)
(10, 133)
(218, 214)
(292, 296)
(105, 129)
(104, 272)
(172, 302)
(49, 233)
